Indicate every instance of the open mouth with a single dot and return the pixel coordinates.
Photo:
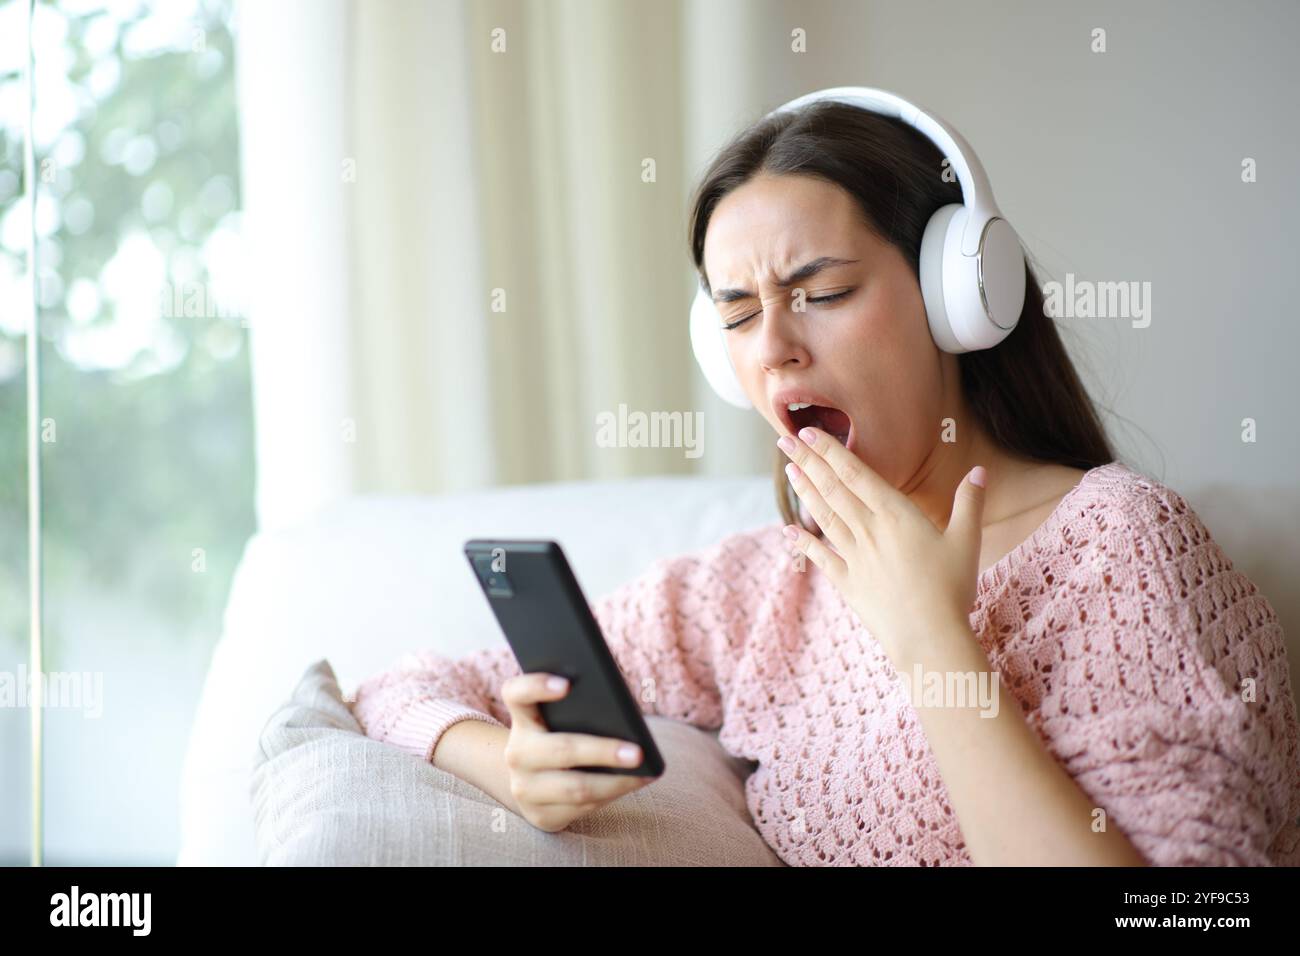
(833, 421)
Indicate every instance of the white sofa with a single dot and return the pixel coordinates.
(371, 579)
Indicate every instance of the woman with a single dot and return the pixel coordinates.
(964, 526)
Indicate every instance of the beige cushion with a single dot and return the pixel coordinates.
(324, 794)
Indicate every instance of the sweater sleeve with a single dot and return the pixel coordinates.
(674, 633)
(1176, 715)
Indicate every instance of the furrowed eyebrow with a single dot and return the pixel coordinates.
(805, 271)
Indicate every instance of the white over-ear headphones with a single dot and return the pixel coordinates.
(972, 267)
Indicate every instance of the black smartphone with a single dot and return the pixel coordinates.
(549, 626)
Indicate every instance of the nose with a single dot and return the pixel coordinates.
(778, 339)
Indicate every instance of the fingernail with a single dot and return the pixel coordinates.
(789, 532)
(785, 443)
(978, 476)
(628, 754)
(808, 435)
(792, 470)
(556, 683)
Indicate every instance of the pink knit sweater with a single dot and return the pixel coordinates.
(1119, 625)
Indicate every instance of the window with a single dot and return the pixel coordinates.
(146, 439)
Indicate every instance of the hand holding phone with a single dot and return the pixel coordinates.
(563, 742)
(549, 793)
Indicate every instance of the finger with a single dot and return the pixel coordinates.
(842, 500)
(577, 787)
(561, 751)
(966, 521)
(837, 530)
(874, 492)
(825, 559)
(523, 692)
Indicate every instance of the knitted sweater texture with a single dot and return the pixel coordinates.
(1153, 671)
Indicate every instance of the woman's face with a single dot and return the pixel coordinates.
(868, 353)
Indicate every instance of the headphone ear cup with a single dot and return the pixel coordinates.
(971, 302)
(1002, 269)
(933, 242)
(711, 352)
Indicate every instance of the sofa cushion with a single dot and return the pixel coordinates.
(325, 794)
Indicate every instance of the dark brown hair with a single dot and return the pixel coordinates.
(1024, 392)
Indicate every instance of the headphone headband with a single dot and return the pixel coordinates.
(976, 191)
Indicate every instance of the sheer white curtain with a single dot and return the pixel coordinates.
(408, 164)
(359, 191)
(293, 78)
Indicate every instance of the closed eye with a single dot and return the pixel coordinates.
(822, 299)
